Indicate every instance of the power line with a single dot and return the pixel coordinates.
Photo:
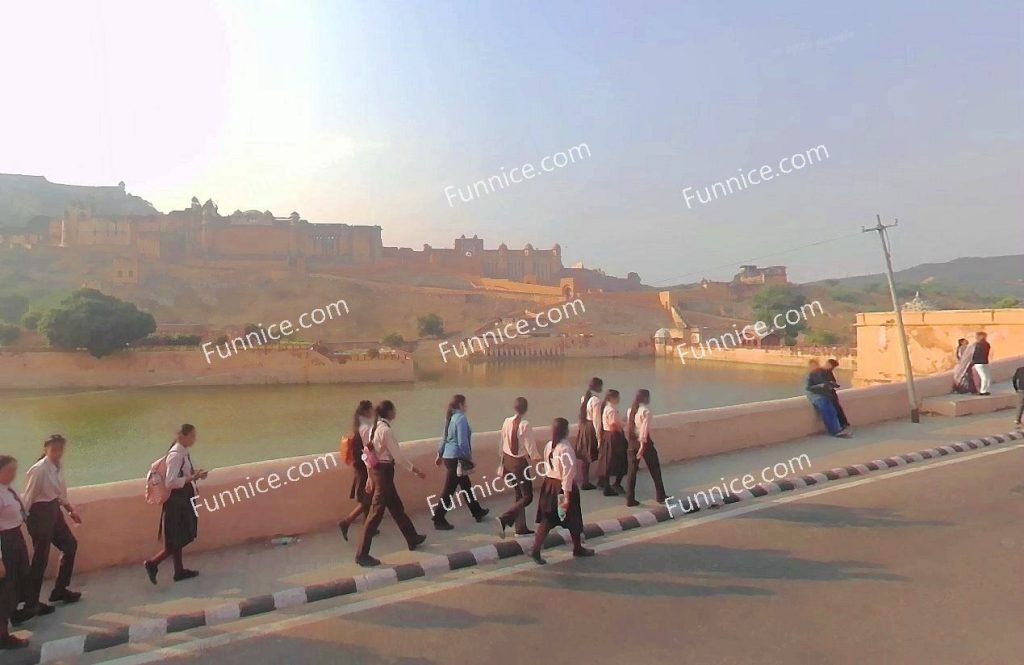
(733, 264)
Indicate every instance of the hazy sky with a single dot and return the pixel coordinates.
(364, 112)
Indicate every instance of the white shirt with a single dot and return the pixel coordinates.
(45, 483)
(561, 463)
(526, 445)
(610, 417)
(385, 445)
(179, 467)
(642, 423)
(593, 412)
(12, 513)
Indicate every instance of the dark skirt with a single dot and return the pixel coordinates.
(618, 460)
(359, 476)
(547, 506)
(180, 522)
(586, 442)
(17, 563)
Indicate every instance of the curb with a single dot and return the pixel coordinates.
(150, 629)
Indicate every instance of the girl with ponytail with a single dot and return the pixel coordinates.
(455, 452)
(588, 436)
(15, 573)
(612, 457)
(352, 450)
(558, 502)
(641, 447)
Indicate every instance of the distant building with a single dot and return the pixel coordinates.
(753, 275)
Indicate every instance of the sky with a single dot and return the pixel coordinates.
(365, 112)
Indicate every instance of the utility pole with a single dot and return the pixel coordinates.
(915, 413)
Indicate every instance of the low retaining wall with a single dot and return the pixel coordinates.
(120, 528)
(188, 367)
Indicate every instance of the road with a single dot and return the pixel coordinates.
(915, 565)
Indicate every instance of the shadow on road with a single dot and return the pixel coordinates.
(825, 515)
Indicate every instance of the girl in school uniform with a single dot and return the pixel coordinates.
(558, 502)
(641, 447)
(15, 573)
(180, 523)
(612, 458)
(383, 453)
(455, 452)
(589, 432)
(46, 495)
(352, 454)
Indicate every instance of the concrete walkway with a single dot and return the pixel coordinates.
(121, 596)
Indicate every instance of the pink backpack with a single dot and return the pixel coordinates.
(156, 482)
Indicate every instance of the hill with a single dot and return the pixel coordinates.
(997, 276)
(24, 198)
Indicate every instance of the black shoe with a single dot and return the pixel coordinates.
(538, 558)
(417, 540)
(367, 561)
(632, 503)
(583, 551)
(343, 527)
(19, 617)
(501, 527)
(66, 596)
(985, 394)
(443, 525)
(608, 491)
(12, 642)
(42, 609)
(661, 499)
(151, 570)
(619, 489)
(185, 575)
(588, 486)
(482, 514)
(527, 532)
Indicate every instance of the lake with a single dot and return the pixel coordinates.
(116, 434)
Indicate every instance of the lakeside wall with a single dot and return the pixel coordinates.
(783, 356)
(188, 367)
(120, 528)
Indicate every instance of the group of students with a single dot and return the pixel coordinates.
(821, 388)
(616, 446)
(41, 509)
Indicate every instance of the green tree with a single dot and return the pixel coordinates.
(393, 339)
(9, 334)
(97, 322)
(1007, 303)
(12, 307)
(821, 338)
(779, 299)
(430, 325)
(31, 319)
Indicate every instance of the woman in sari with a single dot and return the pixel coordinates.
(963, 372)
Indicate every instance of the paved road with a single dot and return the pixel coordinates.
(914, 565)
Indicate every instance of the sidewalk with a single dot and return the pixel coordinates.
(117, 597)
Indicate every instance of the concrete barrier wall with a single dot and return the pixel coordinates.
(120, 528)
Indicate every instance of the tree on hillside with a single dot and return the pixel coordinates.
(1007, 303)
(97, 322)
(430, 325)
(779, 299)
(393, 339)
(9, 334)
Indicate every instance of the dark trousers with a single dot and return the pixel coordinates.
(385, 497)
(17, 563)
(650, 457)
(843, 422)
(8, 601)
(47, 527)
(516, 515)
(455, 485)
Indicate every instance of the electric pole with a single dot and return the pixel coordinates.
(915, 414)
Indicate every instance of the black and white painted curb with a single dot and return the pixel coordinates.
(148, 630)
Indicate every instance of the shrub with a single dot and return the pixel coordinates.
(821, 338)
(393, 339)
(430, 325)
(99, 323)
(373, 353)
(1007, 303)
(9, 334)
